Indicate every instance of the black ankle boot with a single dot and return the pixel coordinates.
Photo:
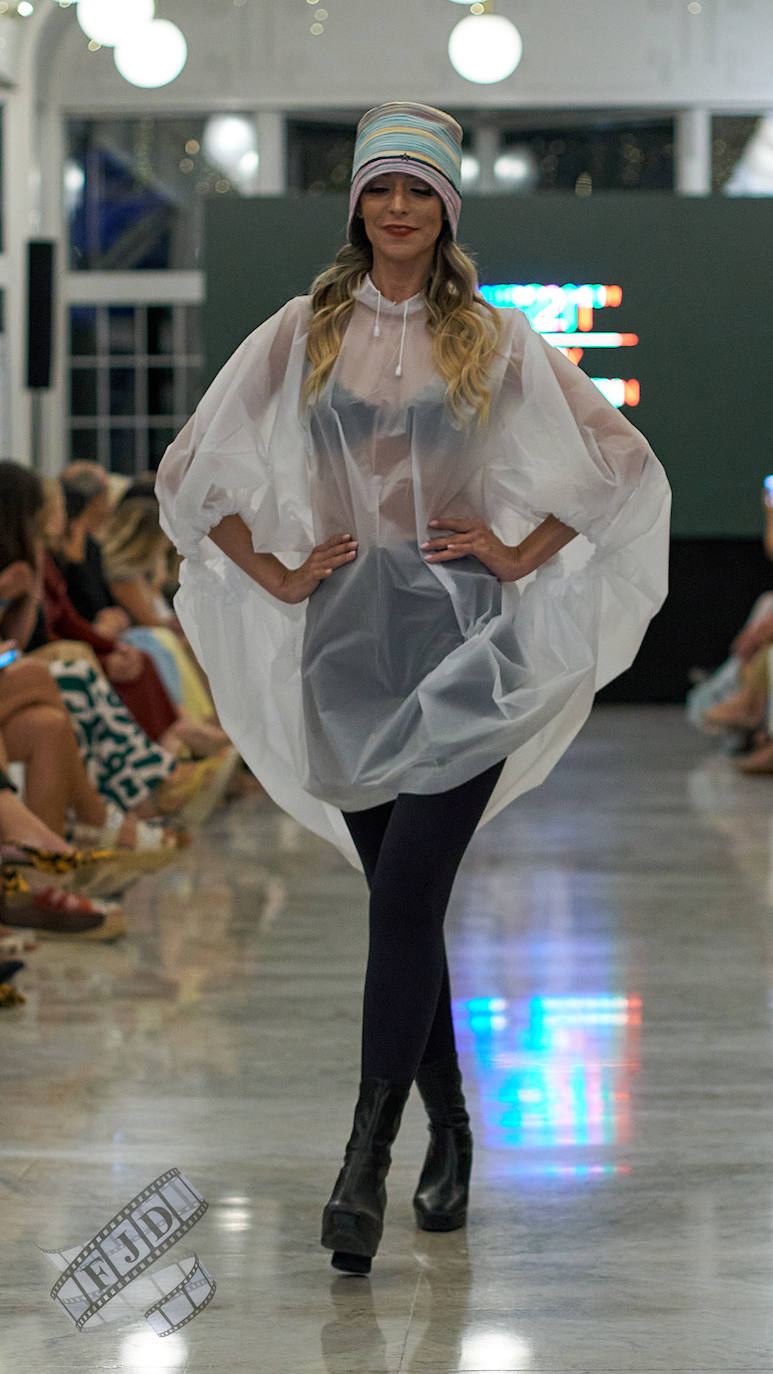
(440, 1201)
(354, 1217)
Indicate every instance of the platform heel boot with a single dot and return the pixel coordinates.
(440, 1201)
(353, 1219)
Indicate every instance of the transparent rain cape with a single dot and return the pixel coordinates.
(397, 675)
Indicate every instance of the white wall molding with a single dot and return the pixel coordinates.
(133, 288)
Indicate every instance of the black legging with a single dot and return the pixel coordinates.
(411, 849)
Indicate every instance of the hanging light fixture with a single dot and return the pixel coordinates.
(153, 55)
(230, 143)
(470, 170)
(516, 169)
(108, 22)
(485, 48)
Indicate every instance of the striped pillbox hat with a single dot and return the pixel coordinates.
(403, 137)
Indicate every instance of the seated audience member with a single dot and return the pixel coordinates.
(87, 512)
(735, 699)
(134, 553)
(79, 558)
(131, 673)
(37, 730)
(131, 771)
(27, 844)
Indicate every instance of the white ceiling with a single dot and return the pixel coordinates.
(260, 54)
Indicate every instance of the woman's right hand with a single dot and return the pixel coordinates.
(111, 621)
(299, 583)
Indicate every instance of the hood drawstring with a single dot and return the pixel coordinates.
(377, 330)
(399, 368)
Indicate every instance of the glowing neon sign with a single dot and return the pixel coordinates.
(564, 317)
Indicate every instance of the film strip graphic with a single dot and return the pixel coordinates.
(181, 1304)
(95, 1275)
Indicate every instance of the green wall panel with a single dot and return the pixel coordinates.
(697, 289)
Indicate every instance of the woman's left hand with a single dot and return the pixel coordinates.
(472, 537)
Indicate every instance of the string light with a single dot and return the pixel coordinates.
(470, 169)
(321, 15)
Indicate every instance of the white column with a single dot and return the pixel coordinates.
(271, 128)
(692, 163)
(486, 150)
(25, 219)
(22, 222)
(54, 226)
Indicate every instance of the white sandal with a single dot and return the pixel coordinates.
(153, 849)
(149, 839)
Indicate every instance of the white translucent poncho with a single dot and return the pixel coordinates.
(399, 675)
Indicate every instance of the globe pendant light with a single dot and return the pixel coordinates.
(485, 48)
(109, 21)
(153, 55)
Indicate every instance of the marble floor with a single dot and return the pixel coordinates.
(611, 937)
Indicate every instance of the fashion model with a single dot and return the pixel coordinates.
(372, 499)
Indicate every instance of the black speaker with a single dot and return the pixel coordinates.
(40, 311)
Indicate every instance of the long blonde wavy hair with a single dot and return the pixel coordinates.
(134, 543)
(465, 329)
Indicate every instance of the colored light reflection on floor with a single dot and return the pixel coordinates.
(553, 1071)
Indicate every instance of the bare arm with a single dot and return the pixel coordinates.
(543, 542)
(21, 589)
(20, 619)
(134, 596)
(290, 585)
(508, 563)
(235, 540)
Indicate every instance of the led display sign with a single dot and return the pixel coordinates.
(564, 316)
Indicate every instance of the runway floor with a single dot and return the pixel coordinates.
(611, 939)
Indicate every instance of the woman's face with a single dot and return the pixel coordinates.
(402, 216)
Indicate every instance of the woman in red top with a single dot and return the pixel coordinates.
(131, 673)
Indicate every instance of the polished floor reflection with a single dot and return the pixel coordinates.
(611, 937)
